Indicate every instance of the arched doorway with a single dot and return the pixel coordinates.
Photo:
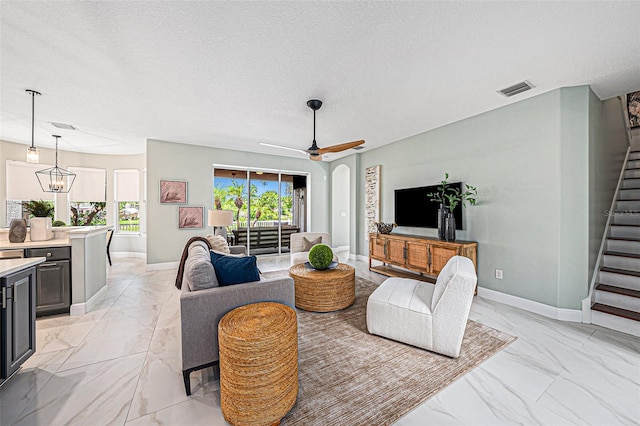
(340, 206)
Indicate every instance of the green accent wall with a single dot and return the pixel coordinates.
(533, 163)
(193, 163)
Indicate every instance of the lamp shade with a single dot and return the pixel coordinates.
(220, 218)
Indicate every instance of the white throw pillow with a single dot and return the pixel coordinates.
(218, 243)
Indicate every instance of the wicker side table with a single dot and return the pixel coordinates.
(324, 291)
(258, 363)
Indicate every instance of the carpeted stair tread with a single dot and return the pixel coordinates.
(622, 254)
(620, 271)
(612, 310)
(618, 290)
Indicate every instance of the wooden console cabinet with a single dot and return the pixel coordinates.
(423, 257)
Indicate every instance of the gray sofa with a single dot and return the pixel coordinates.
(202, 308)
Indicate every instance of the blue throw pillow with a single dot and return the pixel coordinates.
(234, 270)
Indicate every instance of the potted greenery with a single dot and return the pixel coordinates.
(39, 225)
(449, 198)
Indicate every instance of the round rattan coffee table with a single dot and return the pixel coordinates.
(258, 363)
(324, 291)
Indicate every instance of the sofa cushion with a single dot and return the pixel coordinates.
(307, 244)
(198, 270)
(218, 243)
(234, 270)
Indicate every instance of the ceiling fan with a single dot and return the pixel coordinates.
(315, 153)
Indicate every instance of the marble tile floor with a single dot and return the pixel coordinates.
(120, 364)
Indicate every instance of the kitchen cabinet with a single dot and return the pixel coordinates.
(53, 280)
(17, 320)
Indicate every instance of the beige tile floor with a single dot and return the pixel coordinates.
(120, 364)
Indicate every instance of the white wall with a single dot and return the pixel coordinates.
(15, 151)
(195, 164)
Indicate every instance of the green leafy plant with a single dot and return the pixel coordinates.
(58, 223)
(38, 208)
(320, 256)
(451, 197)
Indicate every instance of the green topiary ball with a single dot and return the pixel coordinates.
(320, 256)
(58, 223)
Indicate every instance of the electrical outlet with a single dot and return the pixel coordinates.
(499, 274)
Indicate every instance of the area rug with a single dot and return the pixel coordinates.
(349, 377)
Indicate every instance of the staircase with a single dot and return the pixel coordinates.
(616, 302)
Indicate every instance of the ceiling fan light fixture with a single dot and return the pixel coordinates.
(56, 179)
(33, 155)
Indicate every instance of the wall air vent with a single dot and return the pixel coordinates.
(516, 89)
(63, 126)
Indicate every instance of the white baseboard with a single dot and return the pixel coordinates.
(362, 258)
(161, 266)
(83, 308)
(119, 254)
(562, 314)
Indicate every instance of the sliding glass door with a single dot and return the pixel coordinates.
(269, 207)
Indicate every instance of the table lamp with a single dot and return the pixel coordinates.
(220, 219)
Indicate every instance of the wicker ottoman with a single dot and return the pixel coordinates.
(324, 291)
(258, 363)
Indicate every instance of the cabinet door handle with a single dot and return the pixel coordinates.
(429, 255)
(384, 249)
(48, 254)
(47, 265)
(4, 297)
(404, 253)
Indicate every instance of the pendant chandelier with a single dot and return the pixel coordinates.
(33, 156)
(56, 179)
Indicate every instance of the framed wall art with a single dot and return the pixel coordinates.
(190, 217)
(633, 106)
(173, 191)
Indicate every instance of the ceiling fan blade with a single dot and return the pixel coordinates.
(283, 147)
(315, 157)
(340, 147)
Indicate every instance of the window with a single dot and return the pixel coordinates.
(22, 185)
(87, 197)
(127, 199)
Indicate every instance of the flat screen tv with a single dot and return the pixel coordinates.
(414, 208)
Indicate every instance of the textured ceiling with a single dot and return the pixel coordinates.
(233, 74)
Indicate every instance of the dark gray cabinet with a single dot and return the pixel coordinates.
(53, 280)
(17, 320)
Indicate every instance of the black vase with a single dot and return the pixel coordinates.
(442, 215)
(450, 227)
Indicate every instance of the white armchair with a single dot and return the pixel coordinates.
(297, 245)
(428, 316)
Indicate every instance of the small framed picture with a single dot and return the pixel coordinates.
(173, 191)
(633, 105)
(191, 217)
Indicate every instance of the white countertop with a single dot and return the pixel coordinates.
(56, 242)
(9, 266)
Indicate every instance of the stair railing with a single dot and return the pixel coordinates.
(588, 301)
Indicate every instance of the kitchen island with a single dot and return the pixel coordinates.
(87, 260)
